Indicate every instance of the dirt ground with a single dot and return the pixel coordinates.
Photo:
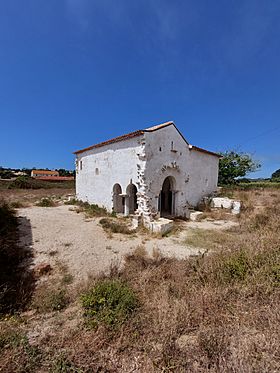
(60, 235)
(215, 312)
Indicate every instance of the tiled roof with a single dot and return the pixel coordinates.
(45, 172)
(55, 178)
(139, 133)
(108, 142)
(159, 126)
(204, 151)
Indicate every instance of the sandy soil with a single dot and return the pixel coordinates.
(57, 234)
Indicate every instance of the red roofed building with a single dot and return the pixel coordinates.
(44, 173)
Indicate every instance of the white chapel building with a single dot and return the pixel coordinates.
(151, 173)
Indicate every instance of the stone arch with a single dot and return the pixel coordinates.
(167, 197)
(118, 203)
(131, 199)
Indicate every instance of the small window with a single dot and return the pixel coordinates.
(160, 148)
(81, 165)
(96, 171)
(172, 147)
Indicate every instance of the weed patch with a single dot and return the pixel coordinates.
(47, 300)
(114, 226)
(90, 210)
(233, 268)
(10, 338)
(46, 202)
(109, 302)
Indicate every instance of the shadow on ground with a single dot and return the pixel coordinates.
(17, 280)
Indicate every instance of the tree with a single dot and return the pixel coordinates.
(276, 175)
(63, 172)
(233, 165)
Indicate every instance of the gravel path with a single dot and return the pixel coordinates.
(57, 234)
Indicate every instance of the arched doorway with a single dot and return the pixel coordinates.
(118, 200)
(167, 197)
(132, 204)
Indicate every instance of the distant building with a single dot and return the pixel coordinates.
(43, 173)
(19, 173)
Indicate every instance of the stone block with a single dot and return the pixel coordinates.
(236, 207)
(195, 214)
(222, 202)
(161, 226)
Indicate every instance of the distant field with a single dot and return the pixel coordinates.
(254, 185)
(38, 184)
(41, 189)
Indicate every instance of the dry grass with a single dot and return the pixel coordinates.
(116, 225)
(210, 239)
(90, 210)
(27, 197)
(213, 313)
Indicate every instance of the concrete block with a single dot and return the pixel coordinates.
(224, 203)
(236, 207)
(194, 215)
(161, 225)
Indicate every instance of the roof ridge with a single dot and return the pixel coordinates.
(125, 137)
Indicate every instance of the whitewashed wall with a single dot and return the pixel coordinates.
(146, 161)
(195, 172)
(105, 166)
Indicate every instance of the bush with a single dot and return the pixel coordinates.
(46, 202)
(109, 302)
(25, 182)
(235, 268)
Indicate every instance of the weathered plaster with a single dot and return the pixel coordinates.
(146, 161)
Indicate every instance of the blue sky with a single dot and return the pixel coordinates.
(76, 72)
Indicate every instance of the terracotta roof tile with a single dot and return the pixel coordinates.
(112, 141)
(154, 128)
(45, 172)
(55, 178)
(139, 133)
(204, 151)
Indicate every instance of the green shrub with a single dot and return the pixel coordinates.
(234, 268)
(46, 202)
(26, 182)
(109, 302)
